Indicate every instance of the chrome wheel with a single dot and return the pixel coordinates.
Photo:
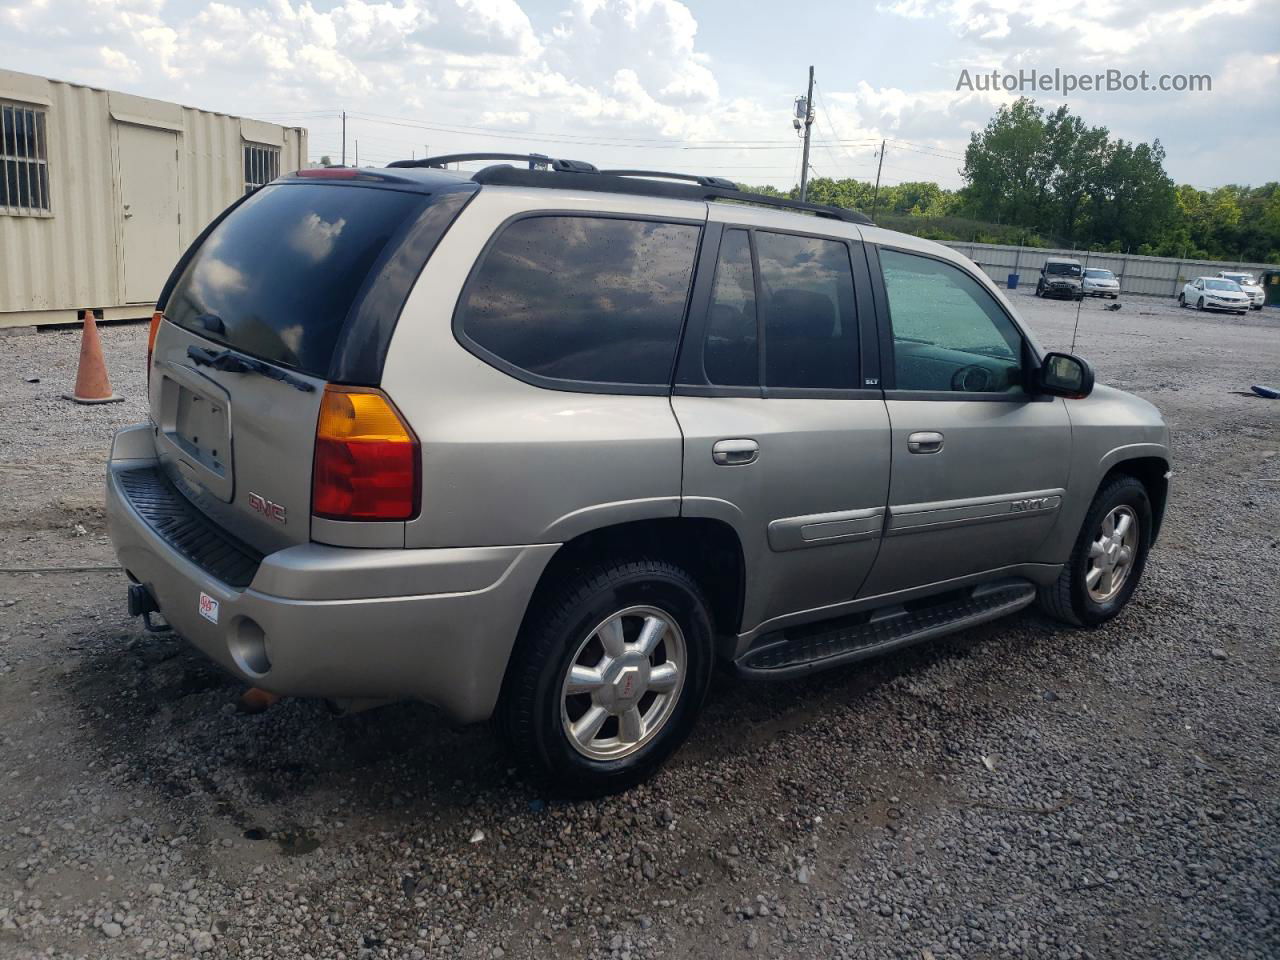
(1112, 553)
(623, 683)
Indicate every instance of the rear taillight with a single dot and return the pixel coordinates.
(366, 459)
(151, 340)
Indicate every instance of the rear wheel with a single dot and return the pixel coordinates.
(608, 676)
(1108, 558)
(1182, 300)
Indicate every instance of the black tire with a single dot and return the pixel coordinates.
(1182, 301)
(1200, 304)
(529, 711)
(1067, 599)
(1039, 290)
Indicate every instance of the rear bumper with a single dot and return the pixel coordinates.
(321, 621)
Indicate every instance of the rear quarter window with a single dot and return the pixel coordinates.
(277, 278)
(581, 299)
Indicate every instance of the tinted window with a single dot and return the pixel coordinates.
(584, 298)
(811, 330)
(278, 276)
(948, 331)
(729, 355)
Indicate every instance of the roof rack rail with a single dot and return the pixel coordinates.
(605, 181)
(544, 171)
(535, 161)
(721, 182)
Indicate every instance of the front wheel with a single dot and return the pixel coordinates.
(1200, 304)
(1108, 558)
(608, 676)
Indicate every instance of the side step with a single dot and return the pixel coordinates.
(799, 650)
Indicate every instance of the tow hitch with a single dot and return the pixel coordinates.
(143, 604)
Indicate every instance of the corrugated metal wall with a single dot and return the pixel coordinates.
(53, 264)
(1152, 276)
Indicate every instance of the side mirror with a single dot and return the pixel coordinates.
(1065, 375)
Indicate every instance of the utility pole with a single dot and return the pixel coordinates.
(808, 123)
(875, 197)
(357, 152)
(344, 138)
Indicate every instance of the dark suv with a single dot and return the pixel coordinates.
(1060, 277)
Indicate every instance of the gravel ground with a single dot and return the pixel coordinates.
(1020, 789)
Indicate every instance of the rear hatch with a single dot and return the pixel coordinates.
(295, 287)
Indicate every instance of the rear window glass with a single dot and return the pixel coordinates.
(277, 278)
(581, 298)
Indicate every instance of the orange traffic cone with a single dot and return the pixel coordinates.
(92, 383)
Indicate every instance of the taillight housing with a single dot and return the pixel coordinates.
(367, 464)
(156, 319)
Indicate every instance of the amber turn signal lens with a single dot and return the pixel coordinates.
(366, 458)
(156, 318)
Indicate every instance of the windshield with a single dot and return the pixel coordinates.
(277, 278)
(1063, 269)
(1222, 285)
(1099, 274)
(1241, 278)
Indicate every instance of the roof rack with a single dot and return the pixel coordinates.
(544, 171)
(535, 161)
(721, 182)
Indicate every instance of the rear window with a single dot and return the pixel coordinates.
(582, 299)
(278, 277)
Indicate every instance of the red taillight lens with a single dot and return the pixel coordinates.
(151, 340)
(366, 459)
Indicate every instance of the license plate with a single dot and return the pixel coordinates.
(208, 608)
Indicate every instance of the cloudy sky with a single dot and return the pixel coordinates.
(703, 86)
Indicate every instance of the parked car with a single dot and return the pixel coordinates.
(1249, 285)
(550, 445)
(1060, 277)
(1214, 293)
(1100, 283)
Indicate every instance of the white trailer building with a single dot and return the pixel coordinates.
(100, 192)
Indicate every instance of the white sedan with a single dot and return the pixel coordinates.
(1100, 283)
(1214, 293)
(1257, 296)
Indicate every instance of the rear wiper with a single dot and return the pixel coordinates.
(229, 362)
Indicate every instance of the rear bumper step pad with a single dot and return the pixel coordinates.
(186, 529)
(799, 651)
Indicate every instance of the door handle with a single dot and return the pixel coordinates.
(733, 453)
(926, 441)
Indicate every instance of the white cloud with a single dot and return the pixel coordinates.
(630, 74)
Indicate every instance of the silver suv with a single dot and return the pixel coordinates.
(548, 444)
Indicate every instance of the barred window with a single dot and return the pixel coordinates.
(261, 165)
(24, 160)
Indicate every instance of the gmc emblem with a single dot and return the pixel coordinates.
(272, 511)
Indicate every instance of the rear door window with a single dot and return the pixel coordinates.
(582, 299)
(278, 277)
(730, 355)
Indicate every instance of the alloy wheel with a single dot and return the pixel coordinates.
(623, 683)
(1112, 553)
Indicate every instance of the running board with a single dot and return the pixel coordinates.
(799, 650)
